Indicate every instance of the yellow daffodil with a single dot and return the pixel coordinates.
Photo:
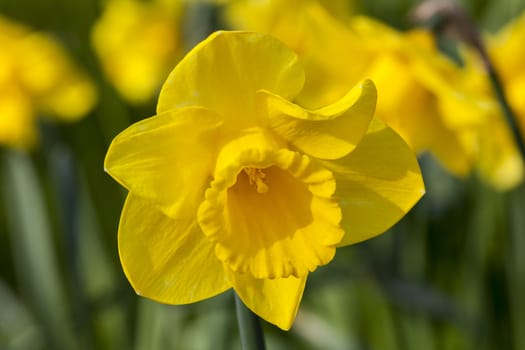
(36, 76)
(430, 101)
(232, 185)
(137, 43)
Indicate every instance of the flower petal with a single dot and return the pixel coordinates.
(224, 72)
(167, 260)
(454, 149)
(17, 124)
(330, 132)
(167, 159)
(137, 43)
(271, 211)
(378, 183)
(500, 163)
(275, 300)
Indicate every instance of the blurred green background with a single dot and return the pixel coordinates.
(450, 275)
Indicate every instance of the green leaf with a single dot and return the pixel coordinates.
(33, 251)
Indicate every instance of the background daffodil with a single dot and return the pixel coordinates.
(232, 185)
(37, 77)
(137, 43)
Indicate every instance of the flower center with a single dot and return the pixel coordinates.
(289, 231)
(256, 177)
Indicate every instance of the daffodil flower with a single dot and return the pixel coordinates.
(232, 185)
(137, 42)
(37, 76)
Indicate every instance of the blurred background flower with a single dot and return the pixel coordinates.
(138, 43)
(37, 78)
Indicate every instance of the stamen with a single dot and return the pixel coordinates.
(256, 176)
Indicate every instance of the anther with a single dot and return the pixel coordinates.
(256, 177)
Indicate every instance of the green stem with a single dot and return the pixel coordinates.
(507, 111)
(250, 330)
(499, 91)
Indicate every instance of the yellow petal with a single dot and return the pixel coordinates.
(17, 124)
(43, 64)
(330, 132)
(515, 88)
(167, 159)
(167, 260)
(138, 43)
(378, 183)
(500, 163)
(72, 99)
(224, 72)
(275, 300)
(454, 149)
(47, 72)
(459, 106)
(270, 210)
